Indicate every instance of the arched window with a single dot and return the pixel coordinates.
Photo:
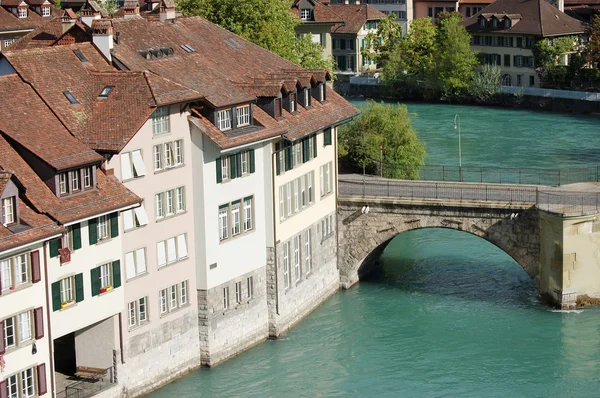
(506, 80)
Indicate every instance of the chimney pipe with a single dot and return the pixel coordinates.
(102, 37)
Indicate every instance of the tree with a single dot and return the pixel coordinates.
(387, 126)
(267, 23)
(380, 46)
(592, 50)
(486, 83)
(546, 53)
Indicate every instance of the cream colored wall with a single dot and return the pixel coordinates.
(21, 300)
(150, 283)
(91, 309)
(303, 29)
(581, 255)
(511, 70)
(551, 247)
(287, 228)
(421, 7)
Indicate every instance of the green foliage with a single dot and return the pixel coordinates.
(433, 61)
(547, 51)
(57, 4)
(485, 83)
(267, 23)
(380, 46)
(592, 49)
(110, 6)
(387, 126)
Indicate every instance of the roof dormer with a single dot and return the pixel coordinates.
(70, 182)
(22, 10)
(234, 117)
(9, 196)
(305, 10)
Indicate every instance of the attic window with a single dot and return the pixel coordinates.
(22, 12)
(145, 54)
(70, 97)
(482, 22)
(45, 11)
(507, 23)
(156, 52)
(188, 48)
(305, 14)
(105, 92)
(495, 23)
(81, 57)
(8, 210)
(167, 51)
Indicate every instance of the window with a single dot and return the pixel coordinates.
(506, 60)
(23, 384)
(173, 297)
(248, 224)
(307, 252)
(297, 273)
(430, 12)
(170, 203)
(286, 265)
(225, 298)
(75, 180)
(224, 119)
(25, 326)
(167, 155)
(532, 81)
(87, 177)
(327, 227)
(225, 168)
(67, 292)
(160, 120)
(305, 14)
(281, 202)
(159, 203)
(180, 198)
(103, 227)
(293, 106)
(45, 11)
(482, 22)
(135, 263)
(27, 383)
(277, 108)
(238, 292)
(520, 80)
(307, 98)
(250, 287)
(288, 203)
(105, 275)
(245, 162)
(223, 223)
(172, 250)
(10, 337)
(132, 165)
(303, 191)
(296, 193)
(235, 219)
(326, 178)
(298, 153)
(22, 12)
(63, 183)
(243, 115)
(8, 210)
(310, 187)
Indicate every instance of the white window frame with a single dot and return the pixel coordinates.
(63, 183)
(298, 153)
(163, 301)
(243, 115)
(8, 210)
(288, 201)
(245, 157)
(28, 383)
(236, 219)
(223, 223)
(178, 148)
(311, 194)
(46, 11)
(225, 168)
(224, 119)
(183, 293)
(293, 103)
(303, 190)
(307, 251)
(225, 298)
(135, 263)
(157, 157)
(305, 14)
(250, 287)
(106, 276)
(173, 297)
(169, 158)
(22, 12)
(297, 270)
(103, 227)
(6, 274)
(180, 199)
(296, 194)
(238, 292)
(67, 290)
(159, 210)
(10, 331)
(88, 180)
(169, 203)
(286, 265)
(248, 221)
(75, 180)
(282, 202)
(160, 120)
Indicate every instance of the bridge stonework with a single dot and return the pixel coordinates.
(363, 236)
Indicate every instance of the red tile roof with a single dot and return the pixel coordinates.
(27, 120)
(537, 18)
(9, 21)
(50, 32)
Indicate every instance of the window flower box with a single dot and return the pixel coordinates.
(65, 305)
(106, 289)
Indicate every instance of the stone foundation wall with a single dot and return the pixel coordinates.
(160, 355)
(225, 333)
(290, 305)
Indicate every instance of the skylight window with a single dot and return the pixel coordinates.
(188, 48)
(80, 55)
(70, 97)
(105, 92)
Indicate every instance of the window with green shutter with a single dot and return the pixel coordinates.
(114, 225)
(238, 166)
(233, 166)
(54, 246)
(56, 304)
(93, 231)
(327, 137)
(305, 150)
(116, 271)
(314, 138)
(219, 172)
(252, 167)
(95, 277)
(76, 234)
(79, 288)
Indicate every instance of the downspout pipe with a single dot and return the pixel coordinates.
(50, 341)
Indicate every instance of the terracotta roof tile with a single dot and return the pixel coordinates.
(539, 18)
(353, 15)
(9, 21)
(49, 33)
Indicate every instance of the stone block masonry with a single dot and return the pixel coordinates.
(311, 284)
(161, 354)
(230, 324)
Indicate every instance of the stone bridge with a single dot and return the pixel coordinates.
(558, 247)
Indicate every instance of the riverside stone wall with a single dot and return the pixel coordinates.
(225, 332)
(363, 237)
(289, 305)
(160, 355)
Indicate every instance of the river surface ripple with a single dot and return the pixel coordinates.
(447, 314)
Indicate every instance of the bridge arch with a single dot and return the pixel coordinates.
(363, 236)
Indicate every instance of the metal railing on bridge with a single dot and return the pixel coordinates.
(491, 175)
(559, 202)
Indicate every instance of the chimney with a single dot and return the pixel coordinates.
(560, 4)
(102, 37)
(167, 10)
(67, 21)
(131, 8)
(88, 15)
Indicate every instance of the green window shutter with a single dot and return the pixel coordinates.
(232, 167)
(114, 225)
(277, 162)
(327, 137)
(54, 246)
(305, 150)
(116, 269)
(95, 277)
(238, 161)
(79, 288)
(252, 167)
(289, 158)
(363, 44)
(93, 231)
(219, 171)
(56, 296)
(314, 138)
(76, 230)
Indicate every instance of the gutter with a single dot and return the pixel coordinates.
(273, 168)
(50, 341)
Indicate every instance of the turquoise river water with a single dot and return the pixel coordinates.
(447, 314)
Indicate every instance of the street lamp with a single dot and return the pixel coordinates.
(457, 126)
(382, 150)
